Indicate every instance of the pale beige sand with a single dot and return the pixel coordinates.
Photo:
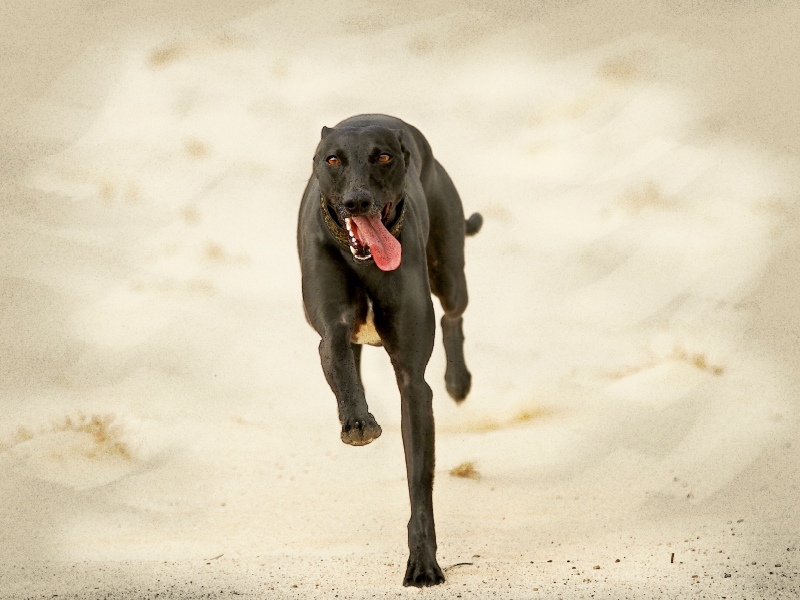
(633, 327)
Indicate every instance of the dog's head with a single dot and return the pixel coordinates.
(361, 173)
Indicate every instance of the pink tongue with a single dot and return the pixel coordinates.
(385, 248)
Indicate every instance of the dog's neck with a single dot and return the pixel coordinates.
(340, 234)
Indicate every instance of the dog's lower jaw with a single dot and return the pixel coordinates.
(361, 256)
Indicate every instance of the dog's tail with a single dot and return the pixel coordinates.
(474, 223)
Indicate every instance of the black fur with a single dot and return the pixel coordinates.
(338, 292)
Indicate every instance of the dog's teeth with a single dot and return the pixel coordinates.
(353, 250)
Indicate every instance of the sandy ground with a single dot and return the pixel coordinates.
(633, 328)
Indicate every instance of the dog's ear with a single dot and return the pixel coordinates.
(406, 153)
(325, 131)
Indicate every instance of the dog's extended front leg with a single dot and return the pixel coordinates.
(418, 442)
(356, 348)
(359, 427)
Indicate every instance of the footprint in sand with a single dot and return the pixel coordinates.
(79, 451)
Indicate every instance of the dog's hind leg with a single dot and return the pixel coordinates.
(445, 255)
(457, 378)
(451, 289)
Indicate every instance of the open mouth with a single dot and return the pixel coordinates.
(359, 236)
(370, 239)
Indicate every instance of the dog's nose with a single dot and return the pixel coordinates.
(358, 203)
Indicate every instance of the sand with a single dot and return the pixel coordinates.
(632, 331)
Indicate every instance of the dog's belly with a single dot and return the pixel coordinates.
(365, 332)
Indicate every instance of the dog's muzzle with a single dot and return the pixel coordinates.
(367, 236)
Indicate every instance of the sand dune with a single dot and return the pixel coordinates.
(632, 329)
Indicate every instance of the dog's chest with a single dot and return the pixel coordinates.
(364, 332)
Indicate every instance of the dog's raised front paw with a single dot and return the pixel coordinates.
(360, 431)
(422, 572)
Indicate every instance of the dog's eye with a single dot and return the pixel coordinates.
(332, 160)
(384, 158)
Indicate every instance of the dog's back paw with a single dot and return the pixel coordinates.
(458, 382)
(474, 223)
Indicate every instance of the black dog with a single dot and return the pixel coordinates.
(381, 227)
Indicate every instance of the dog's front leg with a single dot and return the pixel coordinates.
(359, 427)
(409, 341)
(418, 442)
